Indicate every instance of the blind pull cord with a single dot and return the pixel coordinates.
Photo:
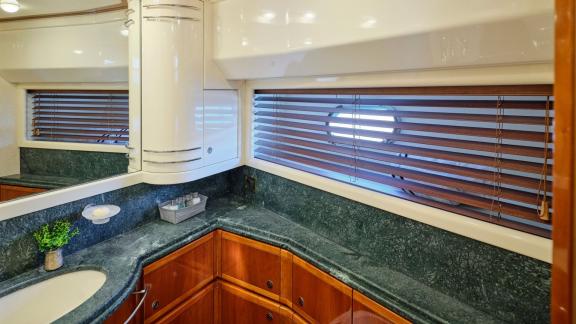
(542, 205)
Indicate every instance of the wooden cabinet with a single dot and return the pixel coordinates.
(239, 306)
(223, 278)
(129, 306)
(197, 309)
(176, 277)
(8, 192)
(366, 311)
(318, 297)
(251, 264)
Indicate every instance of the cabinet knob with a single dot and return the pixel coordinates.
(155, 304)
(269, 284)
(301, 301)
(210, 150)
(269, 316)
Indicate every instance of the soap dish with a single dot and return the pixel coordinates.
(100, 214)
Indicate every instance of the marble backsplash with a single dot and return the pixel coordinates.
(72, 164)
(491, 279)
(18, 251)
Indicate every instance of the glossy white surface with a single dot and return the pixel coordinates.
(43, 7)
(276, 38)
(220, 125)
(132, 27)
(172, 88)
(50, 299)
(68, 49)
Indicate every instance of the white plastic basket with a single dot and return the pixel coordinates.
(178, 215)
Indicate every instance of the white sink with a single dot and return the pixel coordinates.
(50, 299)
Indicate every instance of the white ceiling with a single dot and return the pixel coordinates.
(42, 7)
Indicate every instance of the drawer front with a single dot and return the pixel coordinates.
(197, 309)
(240, 306)
(318, 297)
(366, 311)
(251, 264)
(176, 277)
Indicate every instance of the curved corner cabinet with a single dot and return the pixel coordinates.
(224, 278)
(188, 132)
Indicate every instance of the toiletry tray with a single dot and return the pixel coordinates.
(178, 215)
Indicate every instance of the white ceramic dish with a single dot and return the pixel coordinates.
(100, 214)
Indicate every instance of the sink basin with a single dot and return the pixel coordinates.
(50, 299)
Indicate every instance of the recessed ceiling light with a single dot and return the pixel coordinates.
(10, 6)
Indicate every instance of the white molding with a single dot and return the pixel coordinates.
(29, 204)
(170, 178)
(523, 243)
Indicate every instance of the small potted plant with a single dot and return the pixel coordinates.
(52, 239)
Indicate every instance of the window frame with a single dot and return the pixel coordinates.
(22, 120)
(514, 240)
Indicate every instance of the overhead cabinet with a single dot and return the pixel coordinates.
(185, 127)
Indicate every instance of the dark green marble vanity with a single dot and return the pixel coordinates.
(40, 181)
(424, 273)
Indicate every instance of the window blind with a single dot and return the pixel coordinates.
(82, 116)
(483, 153)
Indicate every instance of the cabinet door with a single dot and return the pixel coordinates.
(318, 297)
(366, 311)
(197, 309)
(8, 192)
(172, 86)
(176, 277)
(239, 306)
(128, 307)
(220, 126)
(251, 264)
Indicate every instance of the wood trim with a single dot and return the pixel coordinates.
(251, 243)
(217, 301)
(286, 278)
(122, 5)
(251, 287)
(322, 275)
(378, 309)
(563, 299)
(537, 89)
(176, 254)
(175, 312)
(218, 253)
(250, 296)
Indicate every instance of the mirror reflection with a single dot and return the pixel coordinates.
(65, 113)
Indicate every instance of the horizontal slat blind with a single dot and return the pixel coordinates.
(81, 116)
(480, 155)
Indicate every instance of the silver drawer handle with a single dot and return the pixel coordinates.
(135, 311)
(172, 162)
(128, 23)
(160, 18)
(173, 151)
(152, 6)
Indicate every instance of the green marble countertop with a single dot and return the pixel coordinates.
(39, 181)
(123, 257)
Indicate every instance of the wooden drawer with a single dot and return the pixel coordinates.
(366, 311)
(178, 276)
(8, 192)
(318, 297)
(251, 264)
(239, 306)
(197, 309)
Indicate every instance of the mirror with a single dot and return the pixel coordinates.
(66, 115)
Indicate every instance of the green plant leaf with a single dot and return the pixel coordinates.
(55, 237)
